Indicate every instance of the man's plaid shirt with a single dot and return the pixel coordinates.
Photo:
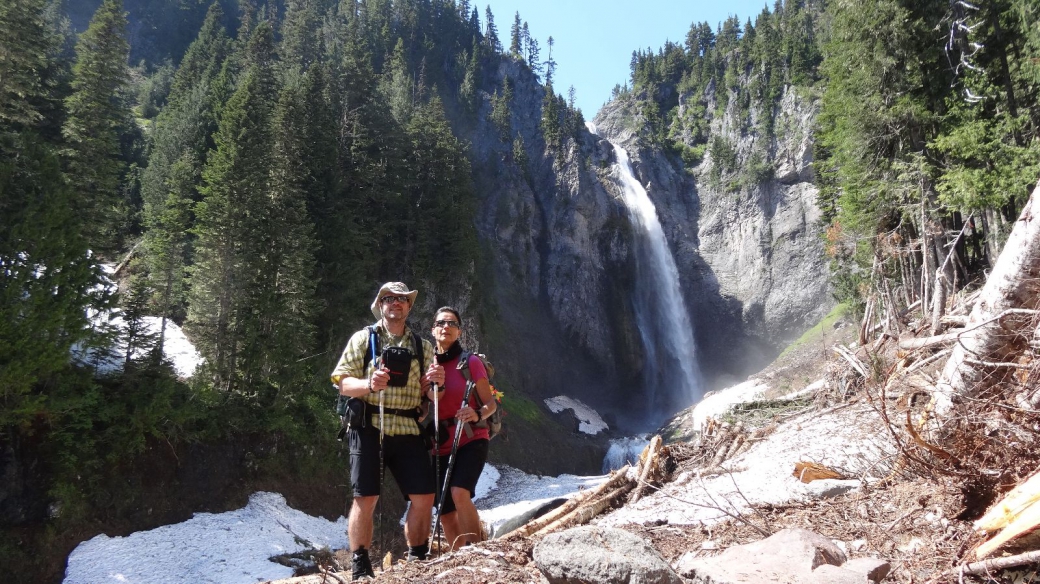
(403, 398)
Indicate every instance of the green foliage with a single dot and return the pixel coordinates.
(48, 276)
(985, 167)
(816, 333)
(27, 42)
(98, 118)
(521, 406)
(501, 113)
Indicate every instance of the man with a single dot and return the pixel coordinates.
(395, 442)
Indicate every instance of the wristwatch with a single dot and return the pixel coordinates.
(480, 416)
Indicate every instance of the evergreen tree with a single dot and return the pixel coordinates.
(287, 304)
(98, 115)
(181, 140)
(23, 28)
(550, 64)
(299, 45)
(533, 52)
(442, 191)
(550, 123)
(501, 109)
(516, 39)
(232, 227)
(396, 85)
(491, 36)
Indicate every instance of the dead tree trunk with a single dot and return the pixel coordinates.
(989, 339)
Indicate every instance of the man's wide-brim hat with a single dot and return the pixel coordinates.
(392, 289)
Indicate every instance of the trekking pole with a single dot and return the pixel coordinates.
(436, 459)
(451, 459)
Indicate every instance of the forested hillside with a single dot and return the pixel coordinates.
(254, 170)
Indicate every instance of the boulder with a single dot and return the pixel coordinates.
(788, 556)
(601, 555)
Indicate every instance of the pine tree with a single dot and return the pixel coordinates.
(443, 196)
(232, 226)
(516, 39)
(287, 304)
(550, 64)
(396, 85)
(98, 114)
(491, 36)
(23, 28)
(48, 276)
(299, 46)
(181, 140)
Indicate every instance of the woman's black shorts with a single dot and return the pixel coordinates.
(469, 463)
(405, 457)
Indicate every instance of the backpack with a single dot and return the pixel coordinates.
(342, 409)
(493, 422)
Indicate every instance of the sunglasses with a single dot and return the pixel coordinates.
(389, 299)
(446, 323)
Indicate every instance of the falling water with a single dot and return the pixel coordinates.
(671, 373)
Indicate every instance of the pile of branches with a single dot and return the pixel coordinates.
(956, 377)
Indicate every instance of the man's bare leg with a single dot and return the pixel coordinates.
(417, 522)
(359, 526)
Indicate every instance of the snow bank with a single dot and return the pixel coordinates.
(845, 439)
(224, 548)
(589, 420)
(176, 347)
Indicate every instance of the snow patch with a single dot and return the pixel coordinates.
(517, 492)
(177, 349)
(235, 547)
(845, 439)
(715, 404)
(589, 421)
(222, 548)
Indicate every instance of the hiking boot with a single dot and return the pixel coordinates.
(362, 566)
(417, 552)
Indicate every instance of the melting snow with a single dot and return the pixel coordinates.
(235, 547)
(589, 420)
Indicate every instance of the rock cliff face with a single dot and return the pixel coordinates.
(559, 246)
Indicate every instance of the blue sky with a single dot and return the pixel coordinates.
(594, 39)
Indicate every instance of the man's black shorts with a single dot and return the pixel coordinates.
(405, 457)
(469, 463)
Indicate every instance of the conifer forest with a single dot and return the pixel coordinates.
(253, 173)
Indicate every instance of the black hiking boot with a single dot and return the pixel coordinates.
(362, 566)
(417, 552)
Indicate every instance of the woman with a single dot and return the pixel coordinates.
(459, 515)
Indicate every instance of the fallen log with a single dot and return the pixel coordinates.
(1016, 513)
(1013, 284)
(585, 513)
(921, 343)
(852, 359)
(619, 476)
(996, 564)
(652, 451)
(322, 578)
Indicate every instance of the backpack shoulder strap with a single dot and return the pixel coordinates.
(420, 353)
(373, 346)
(463, 365)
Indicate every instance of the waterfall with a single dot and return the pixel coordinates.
(671, 373)
(624, 451)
